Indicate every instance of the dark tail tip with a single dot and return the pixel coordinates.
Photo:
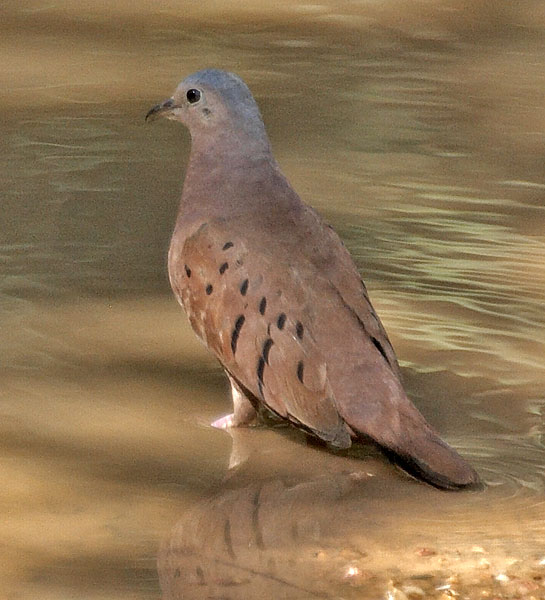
(465, 477)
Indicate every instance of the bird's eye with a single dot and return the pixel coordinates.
(193, 96)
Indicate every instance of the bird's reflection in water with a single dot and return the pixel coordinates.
(268, 534)
(292, 521)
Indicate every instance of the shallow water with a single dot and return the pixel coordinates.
(418, 130)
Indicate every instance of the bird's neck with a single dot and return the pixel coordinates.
(225, 174)
(232, 145)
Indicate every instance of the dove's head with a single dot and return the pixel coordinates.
(212, 101)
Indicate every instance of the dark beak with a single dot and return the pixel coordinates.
(159, 109)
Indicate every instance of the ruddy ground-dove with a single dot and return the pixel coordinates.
(272, 291)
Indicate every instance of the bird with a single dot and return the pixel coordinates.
(274, 294)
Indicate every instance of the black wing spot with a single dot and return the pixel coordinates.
(379, 347)
(209, 289)
(223, 268)
(187, 270)
(260, 369)
(300, 370)
(256, 525)
(200, 575)
(281, 321)
(266, 349)
(236, 332)
(299, 330)
(228, 540)
(244, 287)
(227, 245)
(263, 305)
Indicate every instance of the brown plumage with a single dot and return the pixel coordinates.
(273, 292)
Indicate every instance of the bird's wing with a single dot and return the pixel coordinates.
(335, 262)
(257, 316)
(286, 330)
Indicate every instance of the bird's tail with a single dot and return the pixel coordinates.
(423, 454)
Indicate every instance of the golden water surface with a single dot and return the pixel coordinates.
(418, 129)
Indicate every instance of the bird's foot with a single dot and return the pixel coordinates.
(224, 422)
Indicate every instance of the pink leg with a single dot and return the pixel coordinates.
(224, 422)
(244, 413)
